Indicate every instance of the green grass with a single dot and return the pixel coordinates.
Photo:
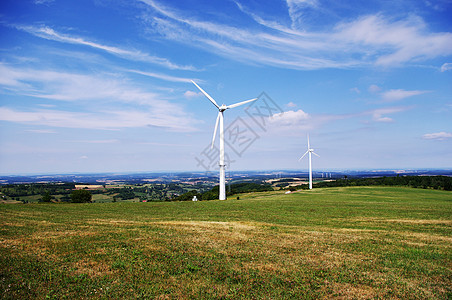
(362, 242)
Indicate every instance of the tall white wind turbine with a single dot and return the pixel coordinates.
(309, 151)
(221, 109)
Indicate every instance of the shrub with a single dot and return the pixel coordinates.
(81, 196)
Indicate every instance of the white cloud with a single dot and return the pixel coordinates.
(131, 54)
(437, 136)
(380, 118)
(191, 94)
(446, 67)
(111, 141)
(393, 43)
(378, 115)
(374, 88)
(93, 93)
(289, 123)
(297, 9)
(399, 94)
(372, 39)
(292, 121)
(289, 117)
(291, 104)
(355, 90)
(161, 76)
(106, 120)
(43, 1)
(67, 86)
(40, 131)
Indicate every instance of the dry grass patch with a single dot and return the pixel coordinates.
(213, 234)
(115, 222)
(58, 234)
(337, 290)
(424, 239)
(256, 246)
(91, 268)
(420, 221)
(10, 243)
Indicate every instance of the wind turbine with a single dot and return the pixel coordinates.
(309, 151)
(221, 109)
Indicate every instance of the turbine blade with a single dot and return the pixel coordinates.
(303, 155)
(308, 142)
(205, 94)
(241, 103)
(315, 154)
(215, 131)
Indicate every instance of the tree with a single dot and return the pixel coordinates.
(46, 197)
(81, 196)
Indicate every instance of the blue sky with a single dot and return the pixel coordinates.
(104, 85)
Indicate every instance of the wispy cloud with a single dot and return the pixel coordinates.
(399, 94)
(43, 1)
(394, 95)
(374, 88)
(297, 9)
(446, 67)
(130, 54)
(106, 120)
(294, 121)
(371, 39)
(378, 117)
(394, 42)
(191, 94)
(379, 114)
(92, 93)
(355, 90)
(68, 86)
(45, 131)
(110, 141)
(437, 136)
(161, 76)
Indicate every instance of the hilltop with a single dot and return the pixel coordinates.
(339, 242)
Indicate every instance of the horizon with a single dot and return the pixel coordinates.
(101, 87)
(214, 173)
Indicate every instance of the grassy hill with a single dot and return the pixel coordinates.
(348, 242)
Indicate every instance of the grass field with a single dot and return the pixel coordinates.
(345, 243)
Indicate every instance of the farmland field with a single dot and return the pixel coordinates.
(360, 242)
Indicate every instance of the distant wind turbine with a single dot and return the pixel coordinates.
(309, 151)
(221, 109)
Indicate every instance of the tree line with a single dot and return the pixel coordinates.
(21, 190)
(424, 182)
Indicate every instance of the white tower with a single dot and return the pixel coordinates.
(309, 151)
(220, 118)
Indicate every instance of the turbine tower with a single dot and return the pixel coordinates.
(309, 151)
(221, 109)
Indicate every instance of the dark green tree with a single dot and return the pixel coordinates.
(81, 196)
(46, 197)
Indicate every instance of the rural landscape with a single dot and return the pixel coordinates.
(227, 149)
(360, 238)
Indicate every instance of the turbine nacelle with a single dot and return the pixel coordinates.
(222, 108)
